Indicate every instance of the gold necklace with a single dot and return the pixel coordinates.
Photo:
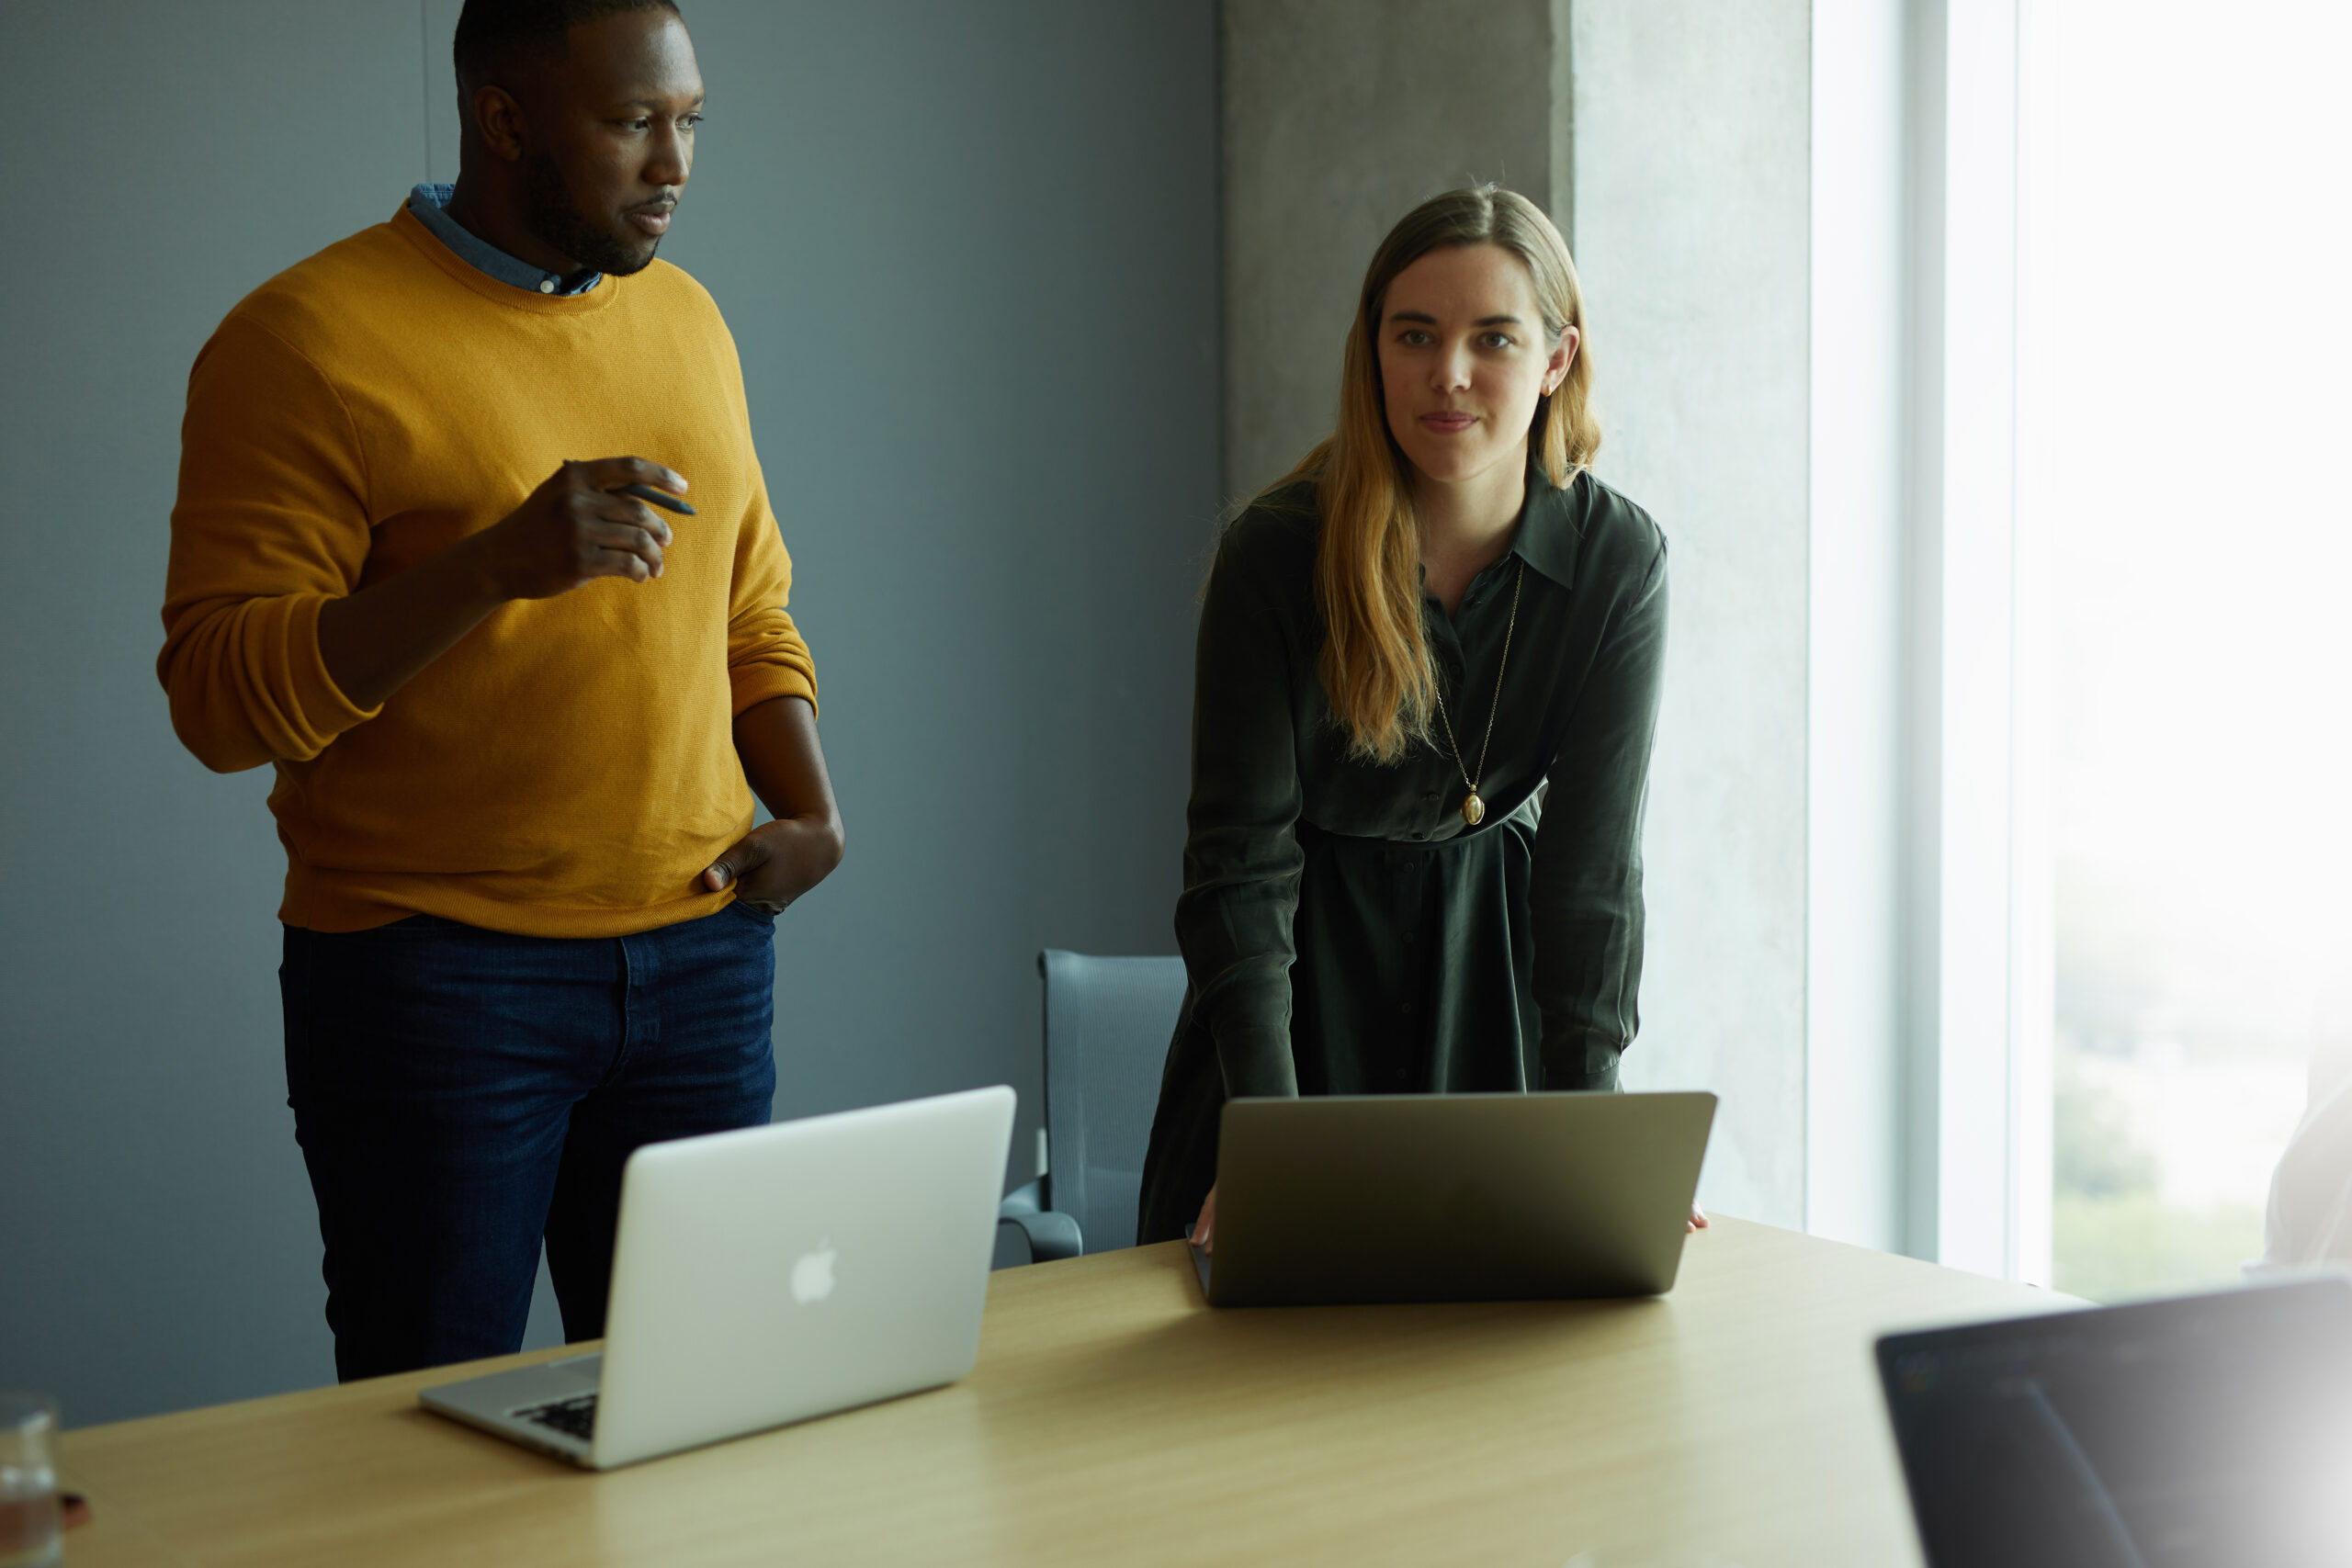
(1474, 810)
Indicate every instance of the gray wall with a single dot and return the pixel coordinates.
(970, 256)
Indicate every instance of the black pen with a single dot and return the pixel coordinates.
(661, 499)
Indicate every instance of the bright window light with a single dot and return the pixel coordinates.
(2195, 331)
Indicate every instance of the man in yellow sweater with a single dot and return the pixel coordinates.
(517, 716)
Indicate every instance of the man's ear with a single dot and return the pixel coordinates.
(498, 122)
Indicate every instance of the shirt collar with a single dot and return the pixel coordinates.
(427, 202)
(1549, 525)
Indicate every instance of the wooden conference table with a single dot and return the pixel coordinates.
(1114, 1419)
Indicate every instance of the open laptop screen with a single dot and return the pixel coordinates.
(2210, 1431)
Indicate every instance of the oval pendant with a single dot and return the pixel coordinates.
(1474, 810)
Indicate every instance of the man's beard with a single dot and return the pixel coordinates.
(556, 219)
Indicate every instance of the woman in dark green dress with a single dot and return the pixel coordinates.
(1427, 679)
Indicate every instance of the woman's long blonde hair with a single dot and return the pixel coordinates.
(1375, 665)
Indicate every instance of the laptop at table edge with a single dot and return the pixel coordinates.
(1204, 1265)
(965, 1135)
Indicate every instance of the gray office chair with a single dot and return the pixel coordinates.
(1107, 1026)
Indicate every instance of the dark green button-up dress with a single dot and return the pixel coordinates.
(1343, 930)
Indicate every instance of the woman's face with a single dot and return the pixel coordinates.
(1463, 358)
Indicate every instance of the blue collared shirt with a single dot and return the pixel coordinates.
(427, 201)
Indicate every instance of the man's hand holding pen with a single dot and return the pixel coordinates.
(589, 520)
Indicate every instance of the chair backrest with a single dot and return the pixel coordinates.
(1108, 1022)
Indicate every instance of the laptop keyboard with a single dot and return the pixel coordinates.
(574, 1417)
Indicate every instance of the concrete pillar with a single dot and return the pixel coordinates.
(1692, 177)
(1669, 139)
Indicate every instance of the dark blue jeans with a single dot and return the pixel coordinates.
(460, 1094)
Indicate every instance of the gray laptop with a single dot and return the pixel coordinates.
(772, 1274)
(2205, 1431)
(1451, 1197)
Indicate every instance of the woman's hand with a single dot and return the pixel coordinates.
(1204, 1229)
(1698, 1217)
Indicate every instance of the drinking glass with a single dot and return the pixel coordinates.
(29, 1536)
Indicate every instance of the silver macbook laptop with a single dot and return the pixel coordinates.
(1455, 1197)
(772, 1274)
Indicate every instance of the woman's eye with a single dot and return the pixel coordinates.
(691, 121)
(1498, 340)
(1412, 337)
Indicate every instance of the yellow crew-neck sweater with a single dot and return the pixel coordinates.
(568, 769)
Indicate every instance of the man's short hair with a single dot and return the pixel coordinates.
(493, 34)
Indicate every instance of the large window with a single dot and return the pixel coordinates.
(2191, 329)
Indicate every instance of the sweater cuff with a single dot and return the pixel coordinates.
(319, 706)
(756, 683)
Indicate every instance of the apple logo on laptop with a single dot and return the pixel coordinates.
(812, 1276)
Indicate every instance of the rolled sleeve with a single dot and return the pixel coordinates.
(766, 656)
